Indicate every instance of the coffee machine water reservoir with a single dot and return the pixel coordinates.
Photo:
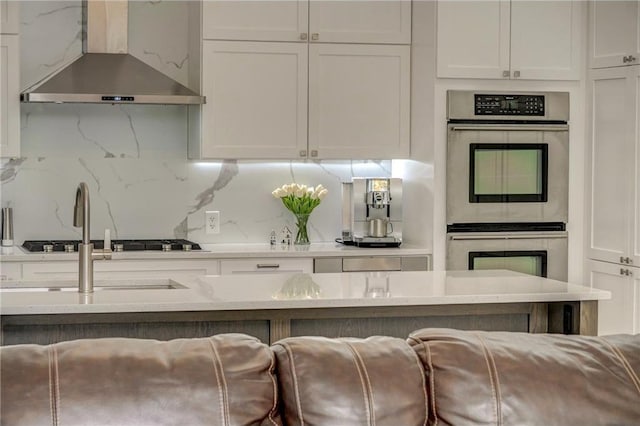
(372, 212)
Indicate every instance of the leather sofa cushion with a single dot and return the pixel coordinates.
(374, 381)
(222, 380)
(499, 378)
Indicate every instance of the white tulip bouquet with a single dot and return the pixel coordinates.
(301, 200)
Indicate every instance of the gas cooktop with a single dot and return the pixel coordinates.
(116, 245)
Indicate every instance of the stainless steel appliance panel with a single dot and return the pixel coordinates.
(527, 166)
(461, 105)
(543, 254)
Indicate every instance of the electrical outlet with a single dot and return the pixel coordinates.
(212, 222)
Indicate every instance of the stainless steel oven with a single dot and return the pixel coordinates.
(507, 181)
(507, 157)
(536, 251)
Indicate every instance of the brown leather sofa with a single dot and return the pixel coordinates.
(436, 376)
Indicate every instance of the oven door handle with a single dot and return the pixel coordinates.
(505, 237)
(512, 127)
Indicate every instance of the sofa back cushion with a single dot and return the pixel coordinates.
(222, 380)
(374, 381)
(499, 378)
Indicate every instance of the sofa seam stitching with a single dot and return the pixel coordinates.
(432, 381)
(625, 364)
(365, 382)
(217, 364)
(53, 385)
(296, 390)
(275, 388)
(494, 389)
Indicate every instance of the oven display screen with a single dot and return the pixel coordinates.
(528, 262)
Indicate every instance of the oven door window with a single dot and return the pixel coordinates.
(508, 173)
(532, 262)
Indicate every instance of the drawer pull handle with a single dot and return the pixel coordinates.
(267, 266)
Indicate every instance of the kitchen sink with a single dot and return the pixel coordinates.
(58, 286)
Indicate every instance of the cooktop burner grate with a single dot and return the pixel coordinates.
(126, 245)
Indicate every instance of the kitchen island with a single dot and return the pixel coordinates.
(274, 306)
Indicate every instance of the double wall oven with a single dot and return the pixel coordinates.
(507, 181)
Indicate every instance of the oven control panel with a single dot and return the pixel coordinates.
(518, 105)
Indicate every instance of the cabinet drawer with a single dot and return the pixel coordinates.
(10, 271)
(120, 269)
(265, 265)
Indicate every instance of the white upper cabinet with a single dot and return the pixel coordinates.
(344, 21)
(359, 101)
(256, 100)
(360, 21)
(614, 33)
(614, 184)
(9, 96)
(9, 16)
(255, 20)
(535, 40)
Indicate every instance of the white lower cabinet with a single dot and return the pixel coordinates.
(265, 265)
(119, 269)
(620, 314)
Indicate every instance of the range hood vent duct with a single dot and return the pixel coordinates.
(106, 72)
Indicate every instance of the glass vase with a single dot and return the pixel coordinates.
(302, 236)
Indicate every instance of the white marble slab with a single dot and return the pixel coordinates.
(302, 291)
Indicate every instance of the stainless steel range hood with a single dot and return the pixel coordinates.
(106, 73)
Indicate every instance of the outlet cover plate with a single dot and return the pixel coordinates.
(212, 222)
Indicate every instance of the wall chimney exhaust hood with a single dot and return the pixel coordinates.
(106, 73)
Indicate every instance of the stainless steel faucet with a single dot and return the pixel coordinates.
(85, 248)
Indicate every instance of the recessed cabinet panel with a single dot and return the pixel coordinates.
(635, 213)
(544, 39)
(255, 20)
(256, 100)
(9, 97)
(614, 33)
(359, 101)
(473, 38)
(360, 21)
(609, 176)
(614, 233)
(9, 16)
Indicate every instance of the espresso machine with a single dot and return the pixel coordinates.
(372, 212)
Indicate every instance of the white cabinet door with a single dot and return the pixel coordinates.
(611, 157)
(537, 40)
(614, 33)
(635, 171)
(266, 265)
(619, 314)
(473, 39)
(255, 20)
(545, 40)
(359, 99)
(360, 21)
(9, 16)
(9, 96)
(349, 21)
(256, 100)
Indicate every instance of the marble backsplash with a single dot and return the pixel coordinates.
(134, 157)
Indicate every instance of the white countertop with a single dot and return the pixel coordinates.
(296, 291)
(222, 251)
